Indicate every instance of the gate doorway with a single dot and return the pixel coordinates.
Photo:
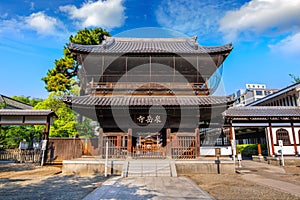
(149, 145)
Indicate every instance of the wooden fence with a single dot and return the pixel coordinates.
(183, 147)
(21, 155)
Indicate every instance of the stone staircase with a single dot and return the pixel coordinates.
(143, 168)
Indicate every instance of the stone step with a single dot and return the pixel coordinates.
(143, 168)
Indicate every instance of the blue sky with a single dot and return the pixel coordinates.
(265, 35)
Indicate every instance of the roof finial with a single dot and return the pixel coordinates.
(195, 38)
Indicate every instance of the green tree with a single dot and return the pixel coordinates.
(295, 79)
(11, 136)
(63, 75)
(27, 100)
(64, 125)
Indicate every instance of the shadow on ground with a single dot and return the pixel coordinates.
(53, 187)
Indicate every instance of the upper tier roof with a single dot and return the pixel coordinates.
(149, 45)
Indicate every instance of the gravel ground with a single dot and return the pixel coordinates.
(28, 181)
(234, 187)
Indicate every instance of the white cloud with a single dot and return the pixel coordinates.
(193, 17)
(43, 24)
(289, 46)
(109, 13)
(262, 17)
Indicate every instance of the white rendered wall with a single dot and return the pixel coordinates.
(210, 151)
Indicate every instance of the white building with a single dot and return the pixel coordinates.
(253, 92)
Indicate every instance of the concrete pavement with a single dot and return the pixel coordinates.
(148, 188)
(274, 177)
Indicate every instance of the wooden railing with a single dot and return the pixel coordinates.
(154, 87)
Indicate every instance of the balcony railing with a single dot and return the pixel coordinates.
(148, 88)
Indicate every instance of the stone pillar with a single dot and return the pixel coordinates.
(168, 143)
(100, 142)
(129, 143)
(197, 142)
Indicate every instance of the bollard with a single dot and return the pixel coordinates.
(218, 154)
(239, 158)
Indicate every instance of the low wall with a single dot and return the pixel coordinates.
(204, 167)
(83, 168)
(277, 160)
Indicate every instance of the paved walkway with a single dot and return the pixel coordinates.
(268, 175)
(148, 188)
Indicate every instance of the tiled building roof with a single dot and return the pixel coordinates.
(147, 100)
(262, 111)
(8, 112)
(14, 104)
(149, 45)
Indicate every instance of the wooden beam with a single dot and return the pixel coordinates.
(197, 142)
(168, 143)
(294, 138)
(271, 137)
(100, 142)
(129, 142)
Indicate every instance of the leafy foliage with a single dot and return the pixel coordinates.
(63, 75)
(295, 79)
(27, 100)
(247, 150)
(11, 136)
(64, 125)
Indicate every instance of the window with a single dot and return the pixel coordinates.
(283, 135)
(259, 92)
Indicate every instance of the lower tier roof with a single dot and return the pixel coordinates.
(147, 100)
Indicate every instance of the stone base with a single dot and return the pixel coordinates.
(204, 167)
(92, 166)
(84, 167)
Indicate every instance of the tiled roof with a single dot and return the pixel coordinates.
(262, 111)
(6, 112)
(146, 100)
(275, 94)
(14, 103)
(149, 45)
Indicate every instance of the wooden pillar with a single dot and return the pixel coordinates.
(197, 142)
(129, 143)
(168, 143)
(259, 146)
(119, 141)
(271, 138)
(100, 142)
(294, 138)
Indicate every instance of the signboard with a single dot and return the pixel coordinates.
(23, 145)
(218, 151)
(44, 144)
(36, 145)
